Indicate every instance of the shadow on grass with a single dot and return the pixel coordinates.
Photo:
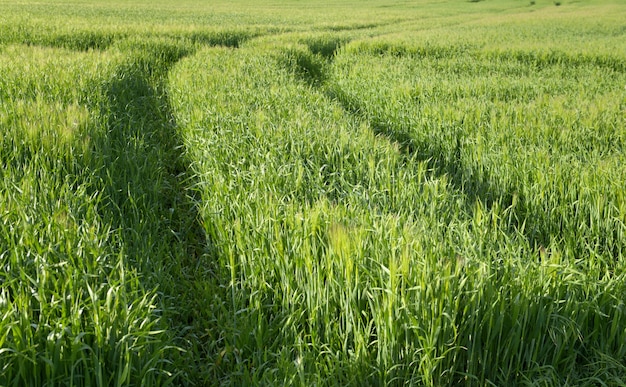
(442, 153)
(149, 200)
(443, 156)
(442, 147)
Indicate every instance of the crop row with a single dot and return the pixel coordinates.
(307, 208)
(378, 219)
(91, 177)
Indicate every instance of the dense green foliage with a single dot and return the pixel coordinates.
(296, 193)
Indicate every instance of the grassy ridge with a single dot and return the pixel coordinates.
(99, 234)
(94, 216)
(532, 148)
(506, 131)
(74, 310)
(302, 207)
(418, 311)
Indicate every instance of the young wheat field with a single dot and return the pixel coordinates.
(313, 193)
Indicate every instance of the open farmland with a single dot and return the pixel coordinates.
(313, 193)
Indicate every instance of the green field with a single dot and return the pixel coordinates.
(290, 192)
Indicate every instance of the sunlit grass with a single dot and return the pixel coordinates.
(377, 193)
